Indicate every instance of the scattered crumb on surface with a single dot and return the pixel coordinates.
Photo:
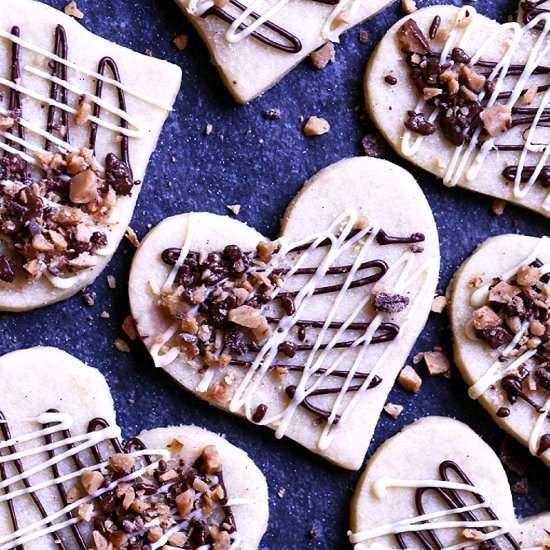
(437, 362)
(105, 315)
(271, 114)
(521, 487)
(498, 207)
(409, 379)
(324, 55)
(208, 129)
(132, 237)
(181, 41)
(121, 345)
(316, 126)
(363, 37)
(111, 281)
(234, 208)
(409, 6)
(129, 327)
(393, 410)
(72, 9)
(439, 304)
(281, 492)
(374, 145)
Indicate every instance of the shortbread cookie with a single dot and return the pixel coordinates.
(256, 42)
(79, 118)
(69, 483)
(438, 485)
(467, 99)
(305, 334)
(501, 327)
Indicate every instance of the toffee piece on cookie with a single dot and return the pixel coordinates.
(76, 130)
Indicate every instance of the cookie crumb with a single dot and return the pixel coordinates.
(521, 487)
(121, 345)
(439, 304)
(498, 207)
(323, 55)
(6, 122)
(181, 41)
(363, 37)
(129, 327)
(234, 208)
(72, 9)
(281, 492)
(132, 237)
(316, 126)
(418, 358)
(393, 410)
(437, 363)
(272, 114)
(374, 145)
(409, 6)
(312, 533)
(104, 315)
(409, 379)
(88, 297)
(208, 129)
(111, 281)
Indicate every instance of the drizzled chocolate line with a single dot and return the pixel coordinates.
(60, 93)
(531, 10)
(451, 497)
(292, 45)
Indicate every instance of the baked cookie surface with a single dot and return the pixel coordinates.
(438, 485)
(305, 334)
(279, 35)
(71, 484)
(79, 118)
(500, 327)
(467, 98)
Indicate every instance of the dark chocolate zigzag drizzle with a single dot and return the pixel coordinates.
(290, 43)
(428, 539)
(60, 94)
(531, 9)
(386, 332)
(520, 115)
(77, 540)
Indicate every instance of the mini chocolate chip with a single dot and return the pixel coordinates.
(390, 79)
(503, 412)
(544, 444)
(259, 413)
(288, 348)
(434, 27)
(287, 303)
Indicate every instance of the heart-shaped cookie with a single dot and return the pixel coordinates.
(305, 334)
(68, 482)
(437, 484)
(468, 99)
(79, 118)
(501, 329)
(257, 42)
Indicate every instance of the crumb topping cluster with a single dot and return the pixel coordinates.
(53, 224)
(184, 504)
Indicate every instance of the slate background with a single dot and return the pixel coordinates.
(261, 165)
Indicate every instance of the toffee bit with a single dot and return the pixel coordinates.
(324, 55)
(417, 123)
(121, 345)
(129, 327)
(316, 126)
(393, 410)
(234, 209)
(409, 379)
(498, 206)
(259, 413)
(181, 41)
(439, 304)
(497, 119)
(390, 303)
(437, 363)
(72, 10)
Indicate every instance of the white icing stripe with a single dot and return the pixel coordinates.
(331, 30)
(138, 133)
(534, 440)
(339, 235)
(425, 521)
(468, 158)
(81, 69)
(74, 446)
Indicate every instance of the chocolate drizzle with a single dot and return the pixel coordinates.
(218, 267)
(428, 539)
(290, 44)
(531, 9)
(73, 535)
(460, 110)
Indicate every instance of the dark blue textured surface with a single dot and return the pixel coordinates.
(261, 165)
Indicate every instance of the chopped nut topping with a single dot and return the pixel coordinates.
(129, 327)
(91, 481)
(83, 187)
(212, 460)
(121, 463)
(409, 379)
(84, 111)
(86, 511)
(529, 95)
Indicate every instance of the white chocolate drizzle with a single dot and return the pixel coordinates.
(425, 522)
(468, 159)
(55, 423)
(319, 364)
(506, 364)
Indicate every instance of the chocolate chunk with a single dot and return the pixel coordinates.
(259, 413)
(287, 303)
(503, 412)
(495, 337)
(374, 145)
(458, 55)
(118, 175)
(513, 387)
(288, 348)
(411, 38)
(418, 123)
(390, 303)
(542, 375)
(7, 269)
(390, 79)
